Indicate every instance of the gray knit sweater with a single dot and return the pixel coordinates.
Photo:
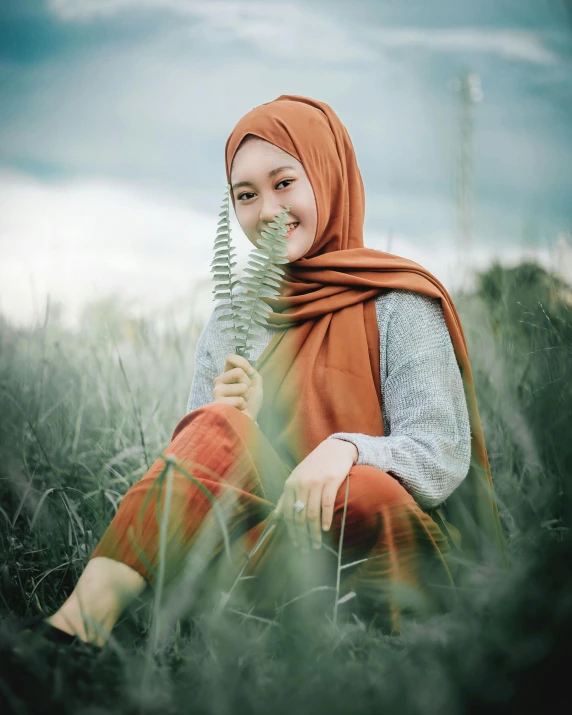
(427, 442)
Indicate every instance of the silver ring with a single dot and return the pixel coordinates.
(299, 506)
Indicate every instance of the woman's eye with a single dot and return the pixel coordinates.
(249, 193)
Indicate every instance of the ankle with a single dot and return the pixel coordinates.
(103, 590)
(88, 627)
(63, 624)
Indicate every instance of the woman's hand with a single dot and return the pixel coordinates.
(315, 482)
(239, 385)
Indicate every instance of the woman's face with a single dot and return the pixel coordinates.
(264, 179)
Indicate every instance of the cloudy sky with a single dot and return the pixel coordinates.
(114, 115)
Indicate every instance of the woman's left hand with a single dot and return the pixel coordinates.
(315, 482)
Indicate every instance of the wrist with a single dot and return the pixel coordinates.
(351, 448)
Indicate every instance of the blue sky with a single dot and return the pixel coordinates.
(114, 115)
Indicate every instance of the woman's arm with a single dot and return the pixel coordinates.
(205, 370)
(428, 442)
(210, 357)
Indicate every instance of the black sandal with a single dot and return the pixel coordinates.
(39, 625)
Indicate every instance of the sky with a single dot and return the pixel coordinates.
(114, 115)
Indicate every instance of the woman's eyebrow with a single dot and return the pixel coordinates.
(271, 173)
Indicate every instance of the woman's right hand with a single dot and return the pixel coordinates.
(239, 385)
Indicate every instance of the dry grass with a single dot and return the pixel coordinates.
(85, 413)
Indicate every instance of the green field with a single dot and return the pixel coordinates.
(85, 412)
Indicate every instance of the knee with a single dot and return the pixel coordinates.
(215, 408)
(372, 490)
(217, 412)
(223, 411)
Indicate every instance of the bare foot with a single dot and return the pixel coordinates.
(67, 625)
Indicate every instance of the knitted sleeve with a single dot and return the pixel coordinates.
(205, 370)
(427, 446)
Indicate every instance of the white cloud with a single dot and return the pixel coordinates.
(315, 35)
(86, 239)
(282, 29)
(82, 10)
(161, 110)
(512, 44)
(440, 257)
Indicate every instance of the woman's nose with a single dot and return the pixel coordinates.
(270, 207)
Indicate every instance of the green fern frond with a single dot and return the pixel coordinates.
(263, 277)
(222, 265)
(244, 311)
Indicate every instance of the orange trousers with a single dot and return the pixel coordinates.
(395, 558)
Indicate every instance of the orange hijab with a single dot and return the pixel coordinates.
(321, 371)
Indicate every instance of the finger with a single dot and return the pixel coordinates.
(235, 360)
(314, 515)
(230, 395)
(222, 389)
(288, 511)
(301, 518)
(237, 374)
(328, 501)
(256, 379)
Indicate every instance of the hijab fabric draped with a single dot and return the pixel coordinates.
(321, 368)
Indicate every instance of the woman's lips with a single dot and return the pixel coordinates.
(293, 228)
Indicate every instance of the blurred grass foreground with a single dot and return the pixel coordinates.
(84, 414)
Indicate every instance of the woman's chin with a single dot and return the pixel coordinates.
(294, 252)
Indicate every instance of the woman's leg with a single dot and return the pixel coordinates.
(400, 549)
(103, 590)
(224, 450)
(404, 560)
(395, 559)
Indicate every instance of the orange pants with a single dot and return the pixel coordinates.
(403, 557)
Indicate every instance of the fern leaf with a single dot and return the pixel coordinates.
(222, 267)
(244, 312)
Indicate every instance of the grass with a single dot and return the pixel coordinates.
(84, 413)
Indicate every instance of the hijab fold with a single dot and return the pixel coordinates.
(321, 368)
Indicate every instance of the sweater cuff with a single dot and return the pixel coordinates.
(371, 450)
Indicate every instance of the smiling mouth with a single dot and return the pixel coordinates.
(292, 226)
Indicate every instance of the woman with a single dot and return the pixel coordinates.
(361, 414)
